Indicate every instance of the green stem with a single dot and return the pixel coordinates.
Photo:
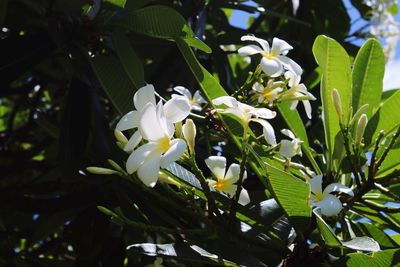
(234, 203)
(206, 188)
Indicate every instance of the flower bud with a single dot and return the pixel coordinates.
(362, 123)
(359, 112)
(163, 178)
(337, 103)
(120, 137)
(99, 170)
(189, 133)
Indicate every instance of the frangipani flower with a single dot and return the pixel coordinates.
(175, 110)
(160, 151)
(290, 148)
(195, 101)
(270, 92)
(274, 58)
(226, 182)
(298, 91)
(247, 113)
(330, 205)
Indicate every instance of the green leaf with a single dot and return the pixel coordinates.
(295, 124)
(387, 118)
(114, 81)
(373, 231)
(129, 60)
(390, 163)
(118, 3)
(363, 243)
(335, 65)
(385, 258)
(327, 232)
(367, 76)
(209, 85)
(161, 22)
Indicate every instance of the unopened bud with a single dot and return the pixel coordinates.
(99, 170)
(337, 103)
(362, 110)
(163, 178)
(189, 133)
(120, 136)
(362, 123)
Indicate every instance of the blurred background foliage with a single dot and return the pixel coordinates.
(65, 63)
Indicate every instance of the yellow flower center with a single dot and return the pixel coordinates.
(163, 145)
(268, 95)
(319, 196)
(220, 185)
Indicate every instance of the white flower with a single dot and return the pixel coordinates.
(195, 101)
(160, 151)
(270, 92)
(175, 110)
(226, 182)
(274, 58)
(298, 91)
(330, 205)
(247, 113)
(290, 148)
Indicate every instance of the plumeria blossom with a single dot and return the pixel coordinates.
(195, 101)
(290, 148)
(297, 92)
(161, 149)
(330, 205)
(270, 92)
(274, 58)
(226, 182)
(247, 113)
(175, 110)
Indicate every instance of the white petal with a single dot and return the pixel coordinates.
(336, 187)
(286, 149)
(293, 104)
(139, 156)
(149, 125)
(233, 173)
(183, 91)
(263, 43)
(133, 141)
(316, 184)
(166, 126)
(307, 107)
(217, 165)
(280, 47)
(264, 113)
(330, 205)
(288, 133)
(143, 96)
(148, 171)
(177, 109)
(198, 97)
(258, 87)
(249, 50)
(271, 67)
(175, 152)
(227, 100)
(129, 121)
(268, 131)
(244, 198)
(290, 64)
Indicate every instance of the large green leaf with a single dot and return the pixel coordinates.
(327, 232)
(335, 65)
(385, 258)
(386, 118)
(128, 58)
(367, 76)
(373, 231)
(114, 81)
(161, 22)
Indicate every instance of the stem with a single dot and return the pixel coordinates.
(249, 82)
(371, 168)
(239, 183)
(348, 153)
(204, 185)
(386, 151)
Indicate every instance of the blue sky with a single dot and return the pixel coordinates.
(392, 79)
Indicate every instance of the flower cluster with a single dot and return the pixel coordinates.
(155, 125)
